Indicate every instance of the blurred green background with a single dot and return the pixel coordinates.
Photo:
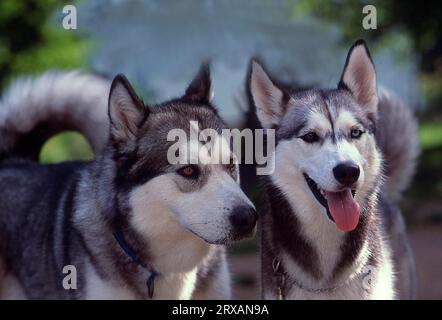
(32, 41)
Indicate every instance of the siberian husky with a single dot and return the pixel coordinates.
(130, 224)
(333, 229)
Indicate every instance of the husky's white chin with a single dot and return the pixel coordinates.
(341, 206)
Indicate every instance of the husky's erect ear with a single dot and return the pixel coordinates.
(268, 97)
(200, 89)
(359, 76)
(126, 112)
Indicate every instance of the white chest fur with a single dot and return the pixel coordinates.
(173, 286)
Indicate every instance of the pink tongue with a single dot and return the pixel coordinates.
(344, 209)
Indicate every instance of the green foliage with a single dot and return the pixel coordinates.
(420, 20)
(31, 43)
(61, 50)
(66, 146)
(430, 135)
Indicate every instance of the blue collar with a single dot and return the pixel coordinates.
(129, 251)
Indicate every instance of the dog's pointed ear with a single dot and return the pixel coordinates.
(126, 111)
(200, 89)
(359, 76)
(267, 97)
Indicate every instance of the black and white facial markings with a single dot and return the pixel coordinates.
(325, 138)
(175, 201)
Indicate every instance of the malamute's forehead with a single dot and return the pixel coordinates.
(177, 114)
(172, 115)
(320, 109)
(150, 157)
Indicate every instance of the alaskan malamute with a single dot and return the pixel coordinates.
(130, 223)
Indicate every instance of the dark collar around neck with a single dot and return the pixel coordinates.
(132, 254)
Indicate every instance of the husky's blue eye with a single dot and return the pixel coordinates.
(310, 137)
(356, 133)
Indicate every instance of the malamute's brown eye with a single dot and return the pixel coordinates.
(356, 133)
(310, 137)
(190, 171)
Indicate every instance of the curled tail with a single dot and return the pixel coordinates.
(34, 109)
(397, 138)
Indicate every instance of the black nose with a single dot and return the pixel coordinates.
(346, 173)
(243, 219)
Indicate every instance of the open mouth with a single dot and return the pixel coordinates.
(341, 206)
